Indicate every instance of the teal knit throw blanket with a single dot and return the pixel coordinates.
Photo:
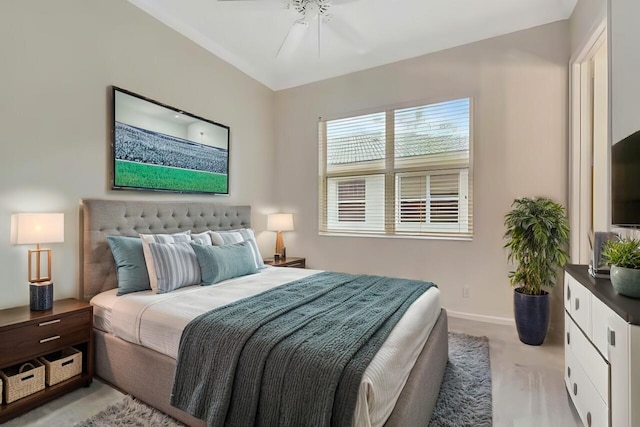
(291, 356)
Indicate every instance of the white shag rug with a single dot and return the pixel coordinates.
(130, 412)
(465, 396)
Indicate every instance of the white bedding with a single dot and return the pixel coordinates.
(156, 321)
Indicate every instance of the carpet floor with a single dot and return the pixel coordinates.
(464, 399)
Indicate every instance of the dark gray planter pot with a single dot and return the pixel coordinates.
(532, 316)
(626, 281)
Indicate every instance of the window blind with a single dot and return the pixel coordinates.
(398, 172)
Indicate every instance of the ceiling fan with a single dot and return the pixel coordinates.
(315, 12)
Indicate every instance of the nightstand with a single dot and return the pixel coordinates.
(26, 335)
(291, 262)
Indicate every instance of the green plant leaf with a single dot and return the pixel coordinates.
(537, 233)
(622, 253)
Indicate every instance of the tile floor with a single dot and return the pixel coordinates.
(528, 386)
(528, 382)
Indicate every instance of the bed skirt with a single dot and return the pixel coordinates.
(148, 376)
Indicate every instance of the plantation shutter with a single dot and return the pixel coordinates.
(398, 172)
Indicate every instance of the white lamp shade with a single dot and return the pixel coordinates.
(35, 228)
(280, 222)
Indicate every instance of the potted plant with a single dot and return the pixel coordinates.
(624, 257)
(537, 236)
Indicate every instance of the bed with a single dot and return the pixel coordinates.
(141, 362)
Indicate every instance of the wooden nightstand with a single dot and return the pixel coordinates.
(292, 262)
(26, 335)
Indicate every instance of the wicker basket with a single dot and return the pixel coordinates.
(62, 365)
(22, 380)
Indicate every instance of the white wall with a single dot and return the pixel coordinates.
(519, 83)
(59, 59)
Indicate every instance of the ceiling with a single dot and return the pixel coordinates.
(248, 33)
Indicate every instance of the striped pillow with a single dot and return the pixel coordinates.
(220, 238)
(176, 265)
(159, 238)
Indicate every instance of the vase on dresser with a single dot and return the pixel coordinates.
(626, 281)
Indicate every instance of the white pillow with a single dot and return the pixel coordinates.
(202, 238)
(185, 236)
(220, 238)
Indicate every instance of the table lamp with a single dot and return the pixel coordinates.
(35, 229)
(280, 223)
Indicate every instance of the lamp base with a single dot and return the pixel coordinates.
(41, 296)
(279, 244)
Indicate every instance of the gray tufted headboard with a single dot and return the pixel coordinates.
(102, 218)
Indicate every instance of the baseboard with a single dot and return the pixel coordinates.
(482, 318)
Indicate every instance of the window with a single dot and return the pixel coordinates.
(398, 172)
(351, 200)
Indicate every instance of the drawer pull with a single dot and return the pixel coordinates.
(568, 338)
(577, 303)
(569, 371)
(53, 338)
(568, 293)
(68, 362)
(575, 389)
(589, 419)
(50, 322)
(26, 378)
(611, 336)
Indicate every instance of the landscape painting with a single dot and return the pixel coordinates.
(157, 147)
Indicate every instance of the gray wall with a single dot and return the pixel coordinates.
(624, 56)
(587, 15)
(519, 83)
(624, 68)
(58, 60)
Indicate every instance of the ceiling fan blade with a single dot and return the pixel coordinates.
(346, 32)
(293, 39)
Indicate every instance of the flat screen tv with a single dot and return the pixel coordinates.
(161, 148)
(625, 182)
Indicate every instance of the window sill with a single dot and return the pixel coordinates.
(396, 236)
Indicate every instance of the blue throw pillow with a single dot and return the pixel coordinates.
(218, 263)
(130, 264)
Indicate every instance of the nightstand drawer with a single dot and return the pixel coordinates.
(297, 264)
(290, 262)
(45, 336)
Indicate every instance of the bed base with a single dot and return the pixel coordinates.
(148, 376)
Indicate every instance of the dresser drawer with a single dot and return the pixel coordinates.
(593, 364)
(568, 286)
(568, 358)
(579, 304)
(600, 330)
(47, 335)
(591, 408)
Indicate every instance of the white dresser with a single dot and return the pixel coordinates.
(602, 350)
